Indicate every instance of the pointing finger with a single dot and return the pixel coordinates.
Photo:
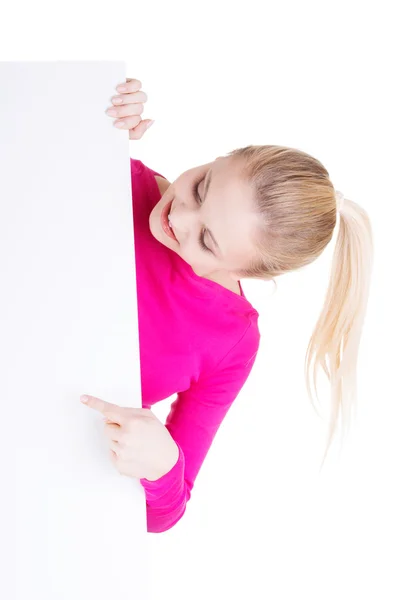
(112, 411)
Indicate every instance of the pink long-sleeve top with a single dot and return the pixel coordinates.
(197, 340)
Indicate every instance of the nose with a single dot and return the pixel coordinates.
(181, 220)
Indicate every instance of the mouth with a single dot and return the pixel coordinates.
(165, 223)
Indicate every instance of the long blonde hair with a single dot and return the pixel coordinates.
(298, 212)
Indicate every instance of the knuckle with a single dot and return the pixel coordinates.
(119, 451)
(131, 426)
(125, 437)
(131, 115)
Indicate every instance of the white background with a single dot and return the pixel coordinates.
(68, 322)
(322, 77)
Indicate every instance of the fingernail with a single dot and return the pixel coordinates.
(84, 399)
(121, 88)
(149, 124)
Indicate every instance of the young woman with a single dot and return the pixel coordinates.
(259, 212)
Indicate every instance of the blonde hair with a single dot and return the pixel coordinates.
(298, 212)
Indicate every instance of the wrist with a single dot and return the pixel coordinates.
(168, 463)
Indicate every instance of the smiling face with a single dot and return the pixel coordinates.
(220, 215)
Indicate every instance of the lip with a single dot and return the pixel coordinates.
(164, 221)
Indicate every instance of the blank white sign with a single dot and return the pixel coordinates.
(68, 319)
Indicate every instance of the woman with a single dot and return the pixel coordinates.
(259, 212)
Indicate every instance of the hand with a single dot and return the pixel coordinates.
(141, 446)
(128, 107)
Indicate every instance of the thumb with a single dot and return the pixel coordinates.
(137, 132)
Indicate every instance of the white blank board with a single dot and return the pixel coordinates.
(73, 527)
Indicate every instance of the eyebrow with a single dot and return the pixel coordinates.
(206, 188)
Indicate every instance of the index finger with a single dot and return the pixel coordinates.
(112, 411)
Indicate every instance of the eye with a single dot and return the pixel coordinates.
(195, 191)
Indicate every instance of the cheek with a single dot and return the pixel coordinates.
(195, 259)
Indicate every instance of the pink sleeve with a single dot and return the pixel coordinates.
(193, 422)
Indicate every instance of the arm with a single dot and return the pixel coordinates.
(193, 422)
